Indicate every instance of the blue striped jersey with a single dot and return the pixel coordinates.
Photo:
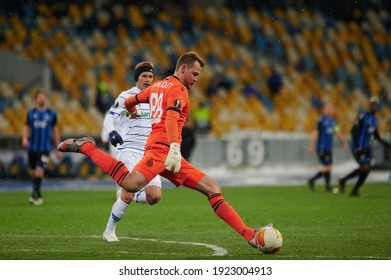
(326, 127)
(363, 130)
(41, 124)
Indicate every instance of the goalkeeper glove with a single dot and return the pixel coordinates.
(174, 157)
(134, 113)
(115, 138)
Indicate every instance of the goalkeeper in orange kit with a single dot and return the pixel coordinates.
(169, 103)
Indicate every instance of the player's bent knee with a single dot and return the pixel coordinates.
(39, 173)
(153, 200)
(365, 168)
(133, 182)
(126, 196)
(327, 168)
(154, 195)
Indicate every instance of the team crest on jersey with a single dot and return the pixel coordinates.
(115, 105)
(177, 103)
(150, 162)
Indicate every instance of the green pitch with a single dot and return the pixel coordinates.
(182, 226)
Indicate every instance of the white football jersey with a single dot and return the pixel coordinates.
(104, 135)
(134, 131)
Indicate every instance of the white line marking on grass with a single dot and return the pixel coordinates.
(217, 251)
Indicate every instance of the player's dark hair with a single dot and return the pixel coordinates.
(142, 67)
(189, 58)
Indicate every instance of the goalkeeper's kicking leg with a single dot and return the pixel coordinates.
(113, 167)
(152, 164)
(209, 187)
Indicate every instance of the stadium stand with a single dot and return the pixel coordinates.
(319, 55)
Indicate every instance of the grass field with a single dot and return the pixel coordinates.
(182, 226)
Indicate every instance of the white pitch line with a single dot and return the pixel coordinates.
(217, 251)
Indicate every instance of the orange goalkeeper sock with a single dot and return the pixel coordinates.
(229, 215)
(115, 168)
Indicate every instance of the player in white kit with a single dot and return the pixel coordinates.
(129, 134)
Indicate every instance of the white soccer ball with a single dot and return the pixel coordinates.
(269, 240)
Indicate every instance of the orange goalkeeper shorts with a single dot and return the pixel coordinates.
(152, 164)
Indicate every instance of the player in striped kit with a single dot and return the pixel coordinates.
(323, 136)
(362, 131)
(41, 125)
(129, 135)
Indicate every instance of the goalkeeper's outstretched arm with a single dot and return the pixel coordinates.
(131, 102)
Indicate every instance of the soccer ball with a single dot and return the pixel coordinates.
(269, 240)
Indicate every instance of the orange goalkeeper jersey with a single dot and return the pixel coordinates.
(169, 102)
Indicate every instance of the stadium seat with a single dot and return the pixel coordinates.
(17, 168)
(319, 55)
(64, 168)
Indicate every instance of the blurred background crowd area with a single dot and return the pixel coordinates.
(269, 65)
